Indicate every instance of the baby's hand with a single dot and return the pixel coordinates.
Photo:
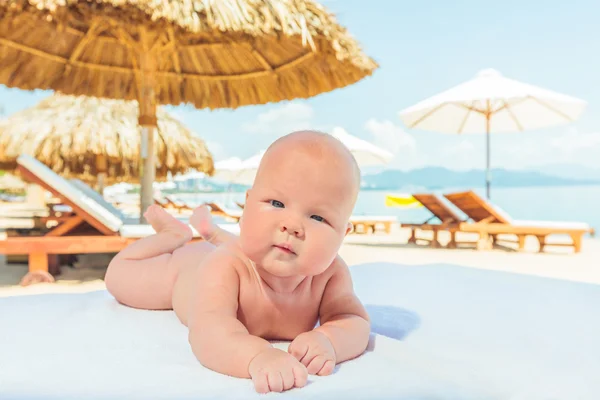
(314, 350)
(274, 370)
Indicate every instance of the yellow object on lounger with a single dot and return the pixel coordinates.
(406, 201)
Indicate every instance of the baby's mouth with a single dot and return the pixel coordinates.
(285, 248)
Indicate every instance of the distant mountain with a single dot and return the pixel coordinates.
(439, 177)
(570, 171)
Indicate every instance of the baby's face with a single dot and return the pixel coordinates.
(296, 215)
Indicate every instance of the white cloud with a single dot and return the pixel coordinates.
(282, 120)
(463, 149)
(461, 156)
(569, 147)
(216, 149)
(572, 144)
(390, 136)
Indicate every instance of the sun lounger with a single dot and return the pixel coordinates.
(370, 223)
(222, 210)
(173, 202)
(490, 220)
(95, 226)
(449, 220)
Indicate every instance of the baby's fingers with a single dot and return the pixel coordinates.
(261, 383)
(300, 376)
(298, 350)
(275, 381)
(327, 369)
(287, 377)
(316, 364)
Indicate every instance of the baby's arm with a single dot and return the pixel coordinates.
(343, 318)
(218, 339)
(222, 343)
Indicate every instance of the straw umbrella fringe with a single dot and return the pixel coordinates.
(83, 137)
(212, 54)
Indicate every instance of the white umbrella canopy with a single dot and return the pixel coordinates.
(491, 103)
(365, 153)
(235, 170)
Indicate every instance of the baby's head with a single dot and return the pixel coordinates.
(297, 212)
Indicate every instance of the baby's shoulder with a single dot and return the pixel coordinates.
(230, 251)
(338, 265)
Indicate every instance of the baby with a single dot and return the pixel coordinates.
(275, 281)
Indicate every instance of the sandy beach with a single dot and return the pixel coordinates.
(556, 262)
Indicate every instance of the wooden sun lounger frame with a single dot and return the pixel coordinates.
(489, 223)
(449, 221)
(369, 226)
(179, 205)
(43, 250)
(216, 209)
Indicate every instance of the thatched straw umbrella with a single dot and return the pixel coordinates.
(87, 138)
(212, 54)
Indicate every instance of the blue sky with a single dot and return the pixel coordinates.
(423, 48)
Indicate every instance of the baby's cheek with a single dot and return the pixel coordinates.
(324, 248)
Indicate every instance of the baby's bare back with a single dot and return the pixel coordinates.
(264, 313)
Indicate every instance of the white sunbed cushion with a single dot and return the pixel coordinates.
(74, 194)
(438, 332)
(503, 214)
(541, 224)
(552, 224)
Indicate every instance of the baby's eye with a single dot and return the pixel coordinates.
(276, 203)
(318, 218)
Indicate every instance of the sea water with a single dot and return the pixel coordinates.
(548, 203)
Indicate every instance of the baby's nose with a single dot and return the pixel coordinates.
(293, 228)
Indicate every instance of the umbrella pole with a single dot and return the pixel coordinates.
(101, 167)
(488, 177)
(148, 122)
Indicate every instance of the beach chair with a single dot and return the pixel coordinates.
(490, 220)
(179, 205)
(221, 210)
(95, 226)
(449, 220)
(369, 223)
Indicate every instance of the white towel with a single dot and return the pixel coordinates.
(439, 332)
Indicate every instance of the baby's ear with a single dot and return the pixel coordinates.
(349, 228)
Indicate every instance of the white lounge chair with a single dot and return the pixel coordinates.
(95, 226)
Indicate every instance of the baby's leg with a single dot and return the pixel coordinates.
(202, 221)
(142, 275)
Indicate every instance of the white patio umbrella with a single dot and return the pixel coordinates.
(234, 170)
(365, 153)
(491, 103)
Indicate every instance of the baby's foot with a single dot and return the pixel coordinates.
(201, 220)
(163, 222)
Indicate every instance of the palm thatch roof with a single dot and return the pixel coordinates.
(83, 136)
(212, 54)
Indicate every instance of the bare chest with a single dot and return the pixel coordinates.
(274, 316)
